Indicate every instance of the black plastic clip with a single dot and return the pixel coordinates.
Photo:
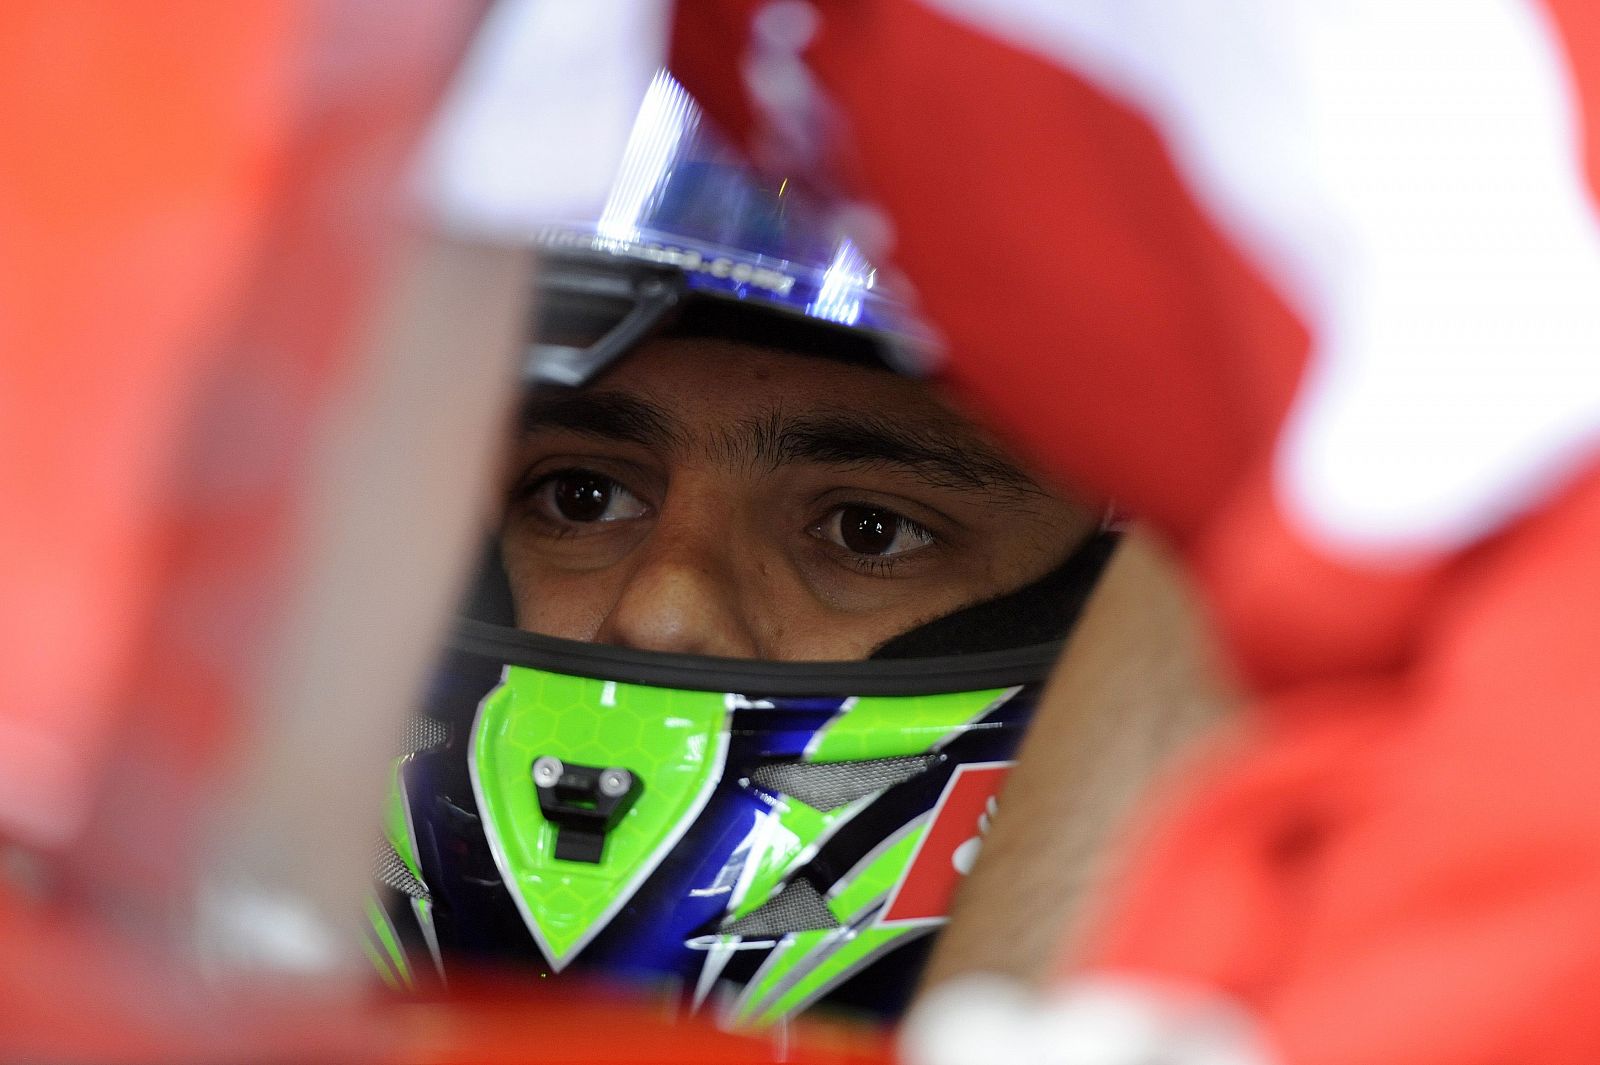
(584, 802)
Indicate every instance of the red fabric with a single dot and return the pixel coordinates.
(1093, 256)
(128, 216)
(269, 374)
(1408, 859)
(1289, 613)
(1577, 26)
(195, 204)
(1401, 862)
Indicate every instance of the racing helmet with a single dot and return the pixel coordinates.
(757, 836)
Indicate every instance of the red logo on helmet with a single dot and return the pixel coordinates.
(955, 832)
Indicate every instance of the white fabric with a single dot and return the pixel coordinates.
(1407, 173)
(534, 129)
(985, 1019)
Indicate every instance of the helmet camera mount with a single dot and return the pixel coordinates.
(584, 802)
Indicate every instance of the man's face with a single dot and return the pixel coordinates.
(714, 498)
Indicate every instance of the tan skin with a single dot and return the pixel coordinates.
(714, 498)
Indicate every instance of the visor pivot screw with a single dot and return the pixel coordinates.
(547, 771)
(614, 783)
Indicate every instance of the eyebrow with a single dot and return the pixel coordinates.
(607, 415)
(935, 455)
(941, 456)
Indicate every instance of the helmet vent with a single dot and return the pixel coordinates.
(390, 871)
(829, 785)
(797, 908)
(422, 734)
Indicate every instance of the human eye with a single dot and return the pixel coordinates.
(570, 498)
(874, 535)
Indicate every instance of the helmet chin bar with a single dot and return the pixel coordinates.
(584, 802)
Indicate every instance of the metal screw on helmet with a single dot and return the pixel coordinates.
(547, 771)
(584, 802)
(615, 782)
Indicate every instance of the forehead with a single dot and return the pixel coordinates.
(704, 381)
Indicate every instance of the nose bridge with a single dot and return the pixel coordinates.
(686, 592)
